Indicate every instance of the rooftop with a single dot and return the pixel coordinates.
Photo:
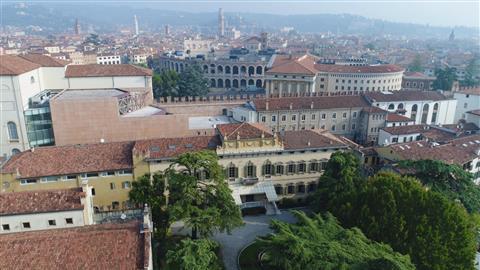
(41, 201)
(243, 131)
(96, 70)
(165, 148)
(105, 246)
(307, 139)
(404, 96)
(70, 159)
(145, 111)
(207, 122)
(71, 94)
(470, 90)
(417, 75)
(16, 65)
(393, 117)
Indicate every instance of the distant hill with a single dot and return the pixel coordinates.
(106, 18)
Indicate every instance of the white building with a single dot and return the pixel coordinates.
(468, 99)
(109, 59)
(46, 209)
(197, 46)
(22, 77)
(427, 107)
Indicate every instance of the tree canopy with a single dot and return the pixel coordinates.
(416, 64)
(472, 72)
(151, 192)
(321, 243)
(436, 232)
(200, 196)
(189, 82)
(195, 255)
(444, 79)
(165, 84)
(450, 180)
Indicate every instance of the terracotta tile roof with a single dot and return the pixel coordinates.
(306, 139)
(105, 246)
(457, 151)
(399, 130)
(470, 91)
(165, 148)
(44, 60)
(15, 65)
(293, 65)
(71, 159)
(393, 117)
(373, 109)
(358, 69)
(299, 103)
(416, 75)
(244, 130)
(307, 64)
(96, 70)
(405, 96)
(41, 201)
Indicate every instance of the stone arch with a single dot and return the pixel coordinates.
(251, 82)
(425, 113)
(220, 83)
(243, 83)
(243, 69)
(235, 70)
(259, 70)
(235, 83)
(213, 83)
(227, 83)
(259, 84)
(434, 113)
(251, 70)
(205, 68)
(413, 115)
(228, 70)
(176, 67)
(220, 69)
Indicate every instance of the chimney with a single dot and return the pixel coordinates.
(266, 105)
(311, 105)
(308, 143)
(291, 105)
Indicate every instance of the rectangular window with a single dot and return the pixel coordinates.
(333, 128)
(106, 174)
(301, 167)
(124, 172)
(354, 115)
(26, 225)
(69, 177)
(353, 126)
(344, 115)
(89, 175)
(69, 220)
(291, 168)
(264, 119)
(112, 186)
(343, 127)
(6, 227)
(93, 192)
(279, 169)
(313, 116)
(274, 118)
(28, 181)
(126, 185)
(284, 118)
(334, 115)
(324, 116)
(303, 117)
(49, 179)
(291, 189)
(294, 117)
(52, 222)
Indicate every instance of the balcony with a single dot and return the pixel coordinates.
(249, 181)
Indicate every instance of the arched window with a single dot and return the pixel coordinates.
(15, 151)
(259, 70)
(228, 83)
(220, 83)
(251, 70)
(414, 112)
(268, 168)
(12, 131)
(279, 168)
(232, 171)
(228, 70)
(425, 113)
(220, 69)
(258, 84)
(391, 106)
(213, 83)
(400, 106)
(434, 114)
(235, 70)
(235, 83)
(251, 82)
(250, 170)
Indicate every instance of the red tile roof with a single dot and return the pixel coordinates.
(294, 65)
(299, 103)
(399, 130)
(96, 70)
(417, 75)
(71, 159)
(41, 201)
(405, 96)
(358, 69)
(44, 60)
(307, 64)
(457, 151)
(393, 117)
(105, 246)
(171, 147)
(308, 139)
(244, 130)
(14, 65)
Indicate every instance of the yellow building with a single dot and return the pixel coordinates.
(261, 167)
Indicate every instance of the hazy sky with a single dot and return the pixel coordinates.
(439, 12)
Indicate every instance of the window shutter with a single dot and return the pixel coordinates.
(245, 171)
(254, 171)
(236, 172)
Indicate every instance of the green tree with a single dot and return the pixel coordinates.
(444, 79)
(449, 180)
(338, 181)
(399, 211)
(321, 243)
(472, 72)
(165, 84)
(192, 82)
(416, 65)
(93, 39)
(194, 255)
(200, 196)
(151, 192)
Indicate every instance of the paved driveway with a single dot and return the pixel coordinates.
(242, 236)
